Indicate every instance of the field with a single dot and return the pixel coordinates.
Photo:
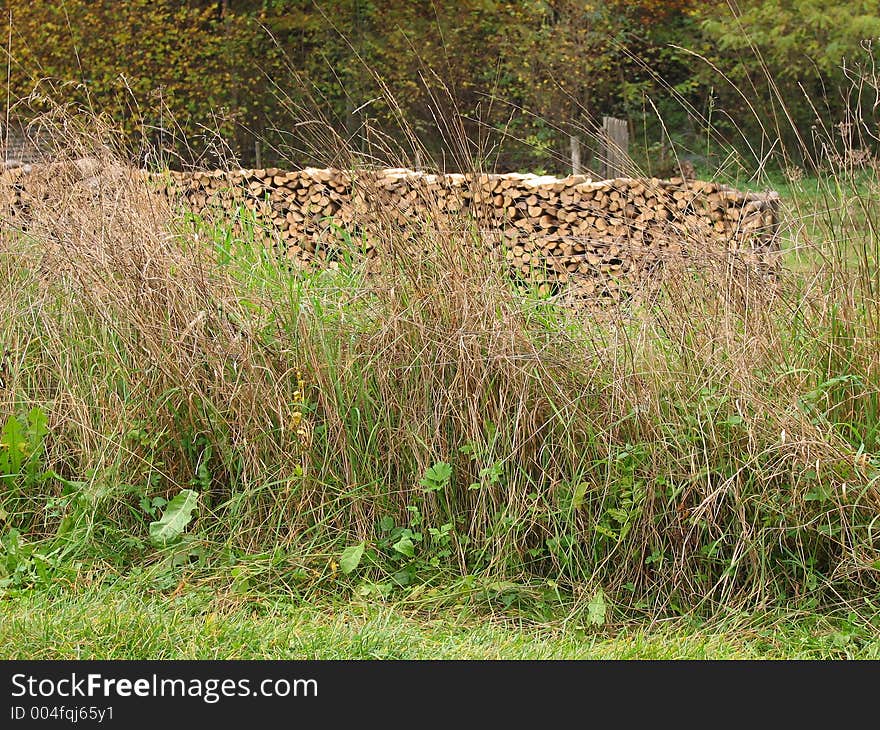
(206, 453)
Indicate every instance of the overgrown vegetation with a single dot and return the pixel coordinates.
(178, 401)
(179, 407)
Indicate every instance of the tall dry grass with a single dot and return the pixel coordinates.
(711, 446)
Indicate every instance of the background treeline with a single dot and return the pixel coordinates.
(506, 84)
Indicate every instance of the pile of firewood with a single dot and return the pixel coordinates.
(592, 239)
(586, 239)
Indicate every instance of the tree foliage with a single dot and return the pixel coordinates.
(505, 81)
(789, 60)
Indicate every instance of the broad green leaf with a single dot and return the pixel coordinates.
(502, 586)
(577, 498)
(13, 447)
(351, 558)
(619, 515)
(436, 477)
(177, 516)
(596, 609)
(37, 425)
(405, 547)
(820, 494)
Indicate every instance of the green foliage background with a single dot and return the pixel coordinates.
(505, 83)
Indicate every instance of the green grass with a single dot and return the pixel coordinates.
(124, 621)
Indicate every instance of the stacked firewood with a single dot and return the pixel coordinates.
(587, 239)
(592, 239)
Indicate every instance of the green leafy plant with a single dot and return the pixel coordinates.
(21, 443)
(436, 477)
(351, 558)
(177, 515)
(597, 609)
(152, 505)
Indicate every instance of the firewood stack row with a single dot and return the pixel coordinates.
(590, 239)
(584, 239)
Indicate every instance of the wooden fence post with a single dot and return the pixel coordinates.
(615, 147)
(575, 142)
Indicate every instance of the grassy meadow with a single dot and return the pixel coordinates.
(205, 452)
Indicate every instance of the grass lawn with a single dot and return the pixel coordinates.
(126, 621)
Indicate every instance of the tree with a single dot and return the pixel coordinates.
(161, 69)
(502, 81)
(786, 61)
